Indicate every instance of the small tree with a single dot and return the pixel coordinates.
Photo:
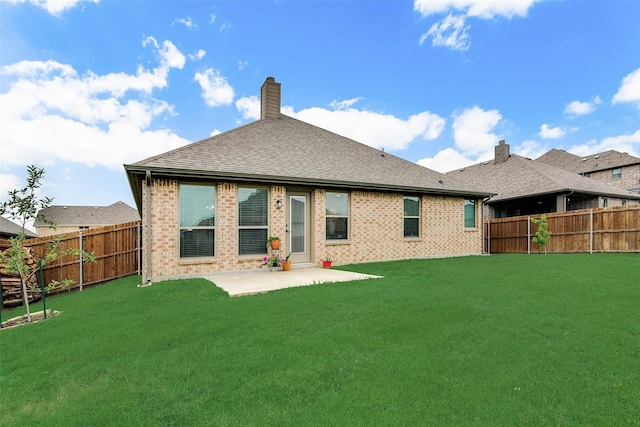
(542, 234)
(23, 205)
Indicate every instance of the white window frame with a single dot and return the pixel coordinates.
(329, 216)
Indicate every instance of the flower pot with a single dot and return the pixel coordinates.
(275, 244)
(326, 264)
(286, 266)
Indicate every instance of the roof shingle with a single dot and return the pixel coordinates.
(288, 151)
(520, 177)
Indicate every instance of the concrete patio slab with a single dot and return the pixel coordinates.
(252, 282)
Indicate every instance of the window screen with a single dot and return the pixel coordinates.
(252, 220)
(197, 220)
(411, 216)
(337, 215)
(469, 213)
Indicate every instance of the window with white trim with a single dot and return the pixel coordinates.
(337, 215)
(411, 216)
(253, 213)
(197, 220)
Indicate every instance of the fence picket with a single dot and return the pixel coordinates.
(116, 248)
(615, 229)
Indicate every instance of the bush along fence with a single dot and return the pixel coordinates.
(117, 249)
(615, 229)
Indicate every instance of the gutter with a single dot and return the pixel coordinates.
(148, 212)
(276, 180)
(488, 251)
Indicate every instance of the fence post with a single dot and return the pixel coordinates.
(528, 235)
(81, 261)
(139, 246)
(489, 236)
(1, 302)
(44, 296)
(591, 231)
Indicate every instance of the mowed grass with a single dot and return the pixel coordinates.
(499, 340)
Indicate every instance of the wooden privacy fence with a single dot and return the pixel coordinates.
(117, 249)
(614, 229)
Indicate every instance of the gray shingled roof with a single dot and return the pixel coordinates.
(117, 213)
(519, 177)
(288, 151)
(9, 228)
(591, 163)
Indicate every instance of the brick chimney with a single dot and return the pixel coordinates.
(270, 99)
(502, 152)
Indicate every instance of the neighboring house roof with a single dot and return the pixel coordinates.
(585, 164)
(116, 213)
(278, 149)
(9, 228)
(518, 177)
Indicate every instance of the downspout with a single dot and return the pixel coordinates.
(566, 196)
(488, 251)
(148, 212)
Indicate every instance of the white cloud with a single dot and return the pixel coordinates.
(451, 32)
(186, 21)
(530, 149)
(446, 160)
(9, 182)
(623, 143)
(344, 104)
(472, 130)
(374, 129)
(629, 90)
(198, 55)
(578, 108)
(547, 132)
(54, 7)
(242, 65)
(485, 9)
(90, 119)
(249, 107)
(216, 90)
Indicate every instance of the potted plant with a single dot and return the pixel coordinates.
(286, 264)
(326, 263)
(274, 242)
(271, 262)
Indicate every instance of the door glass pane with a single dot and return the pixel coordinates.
(298, 226)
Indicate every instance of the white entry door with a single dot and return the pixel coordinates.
(299, 226)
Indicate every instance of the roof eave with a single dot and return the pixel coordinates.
(566, 191)
(136, 175)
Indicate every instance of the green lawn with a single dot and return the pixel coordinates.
(499, 340)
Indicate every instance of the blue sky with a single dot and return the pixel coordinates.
(87, 86)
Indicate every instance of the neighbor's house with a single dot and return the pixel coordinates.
(210, 206)
(528, 187)
(77, 218)
(10, 229)
(611, 167)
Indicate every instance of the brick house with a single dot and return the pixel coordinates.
(612, 167)
(77, 218)
(210, 206)
(527, 187)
